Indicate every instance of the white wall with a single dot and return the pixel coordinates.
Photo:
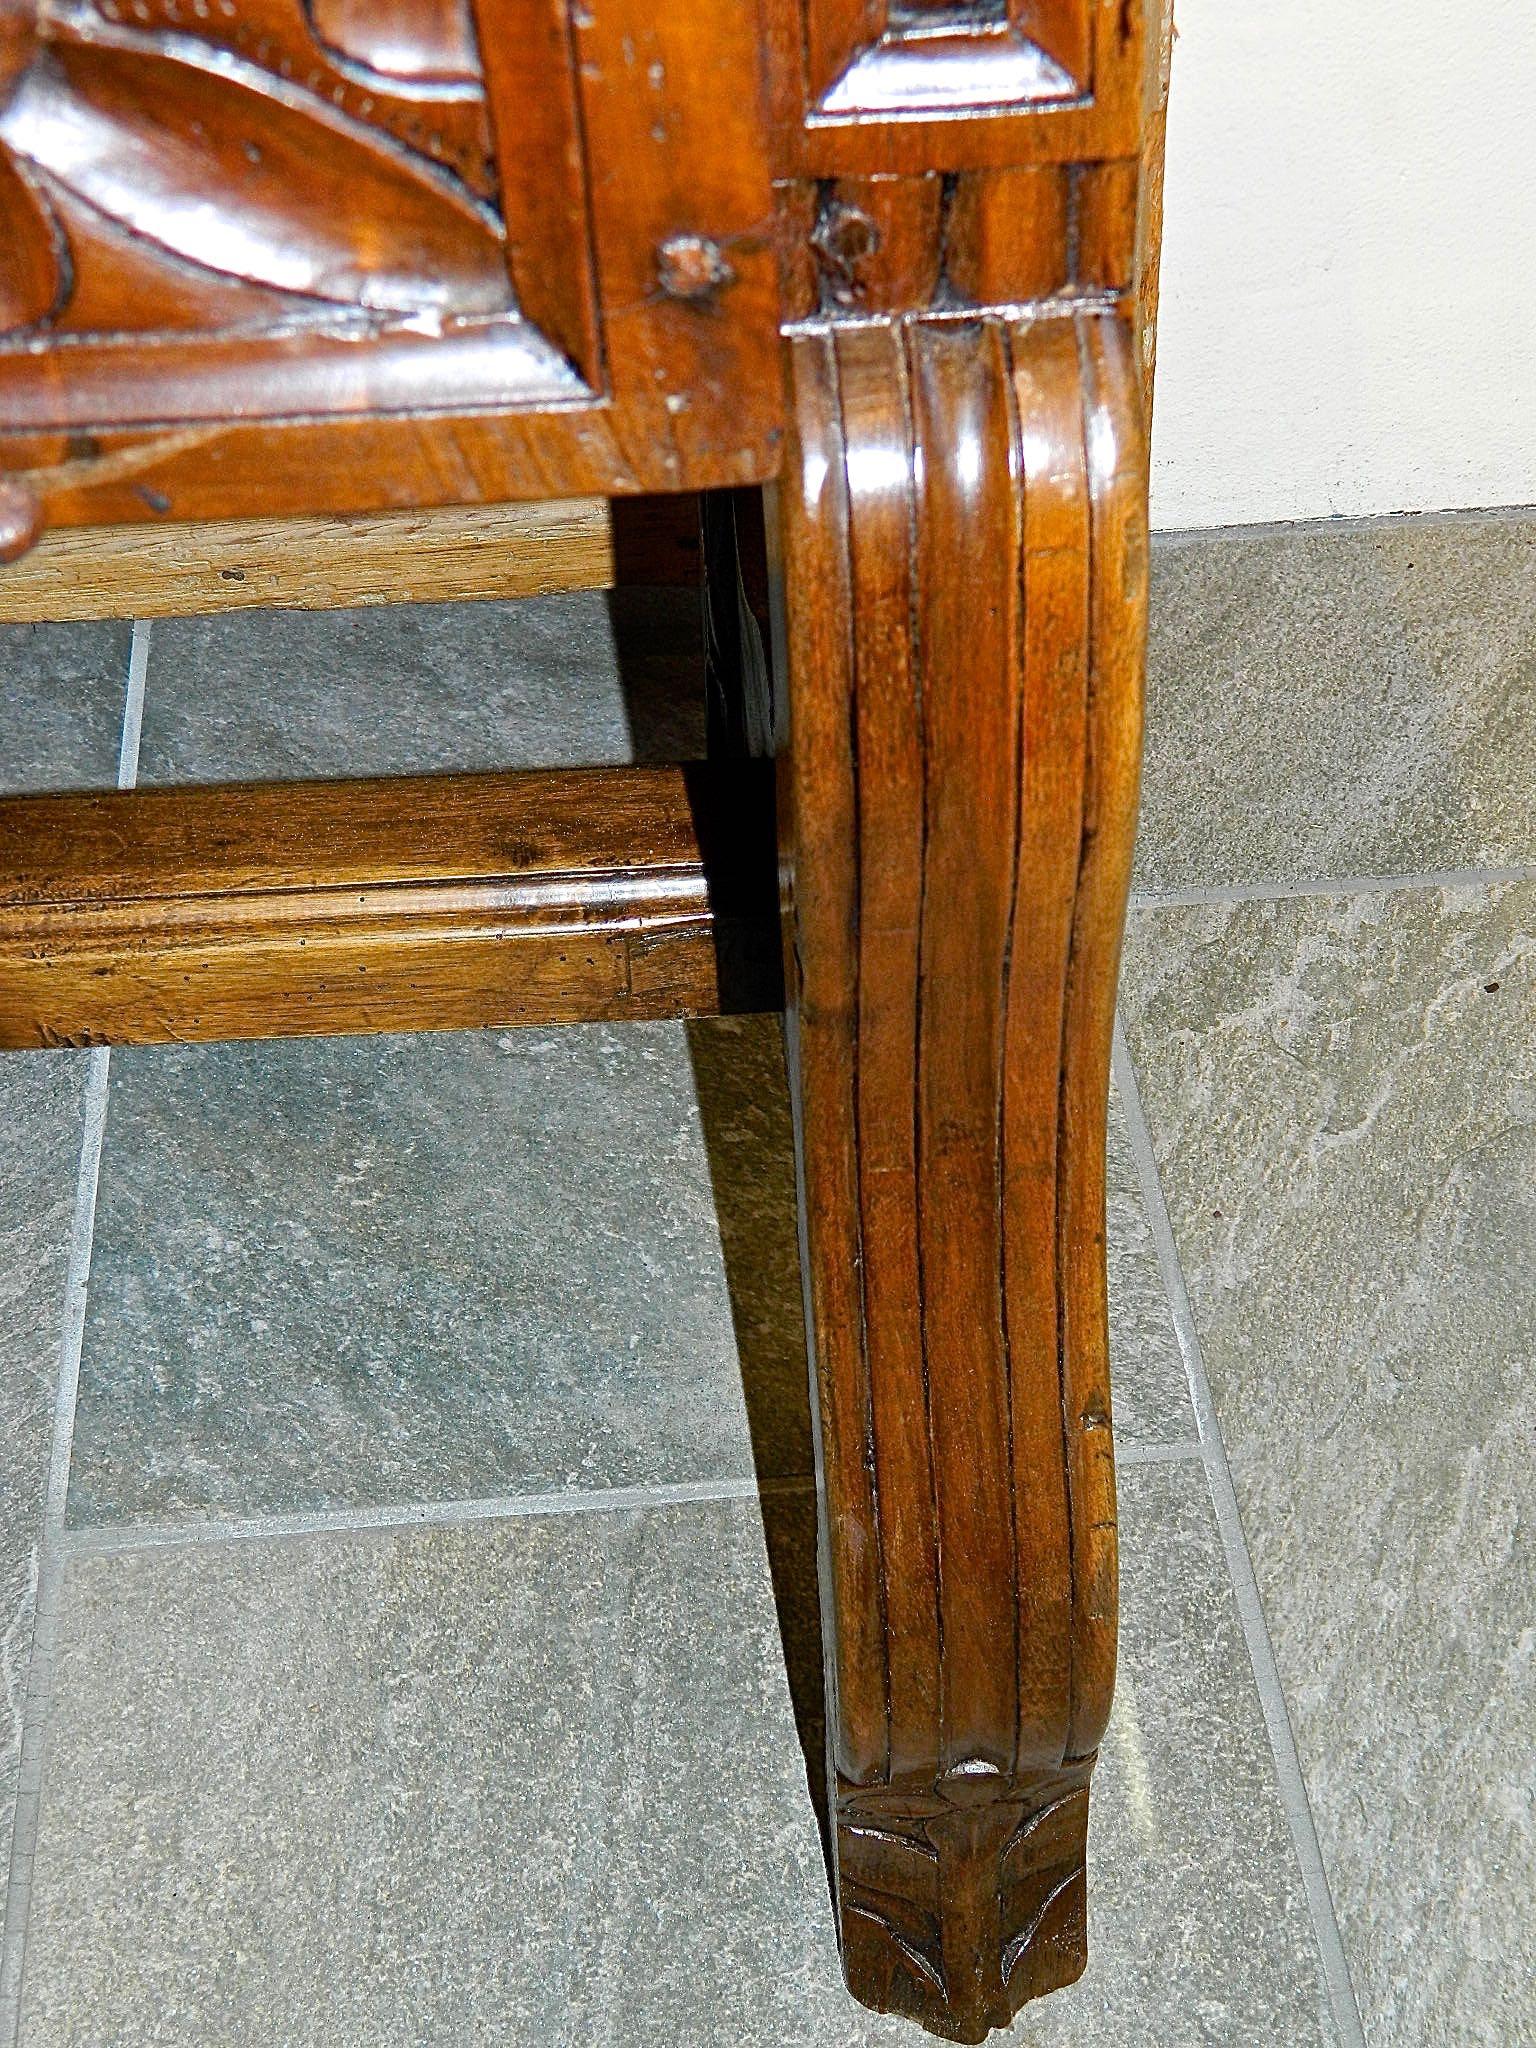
(1349, 278)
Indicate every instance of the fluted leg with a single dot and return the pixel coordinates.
(963, 556)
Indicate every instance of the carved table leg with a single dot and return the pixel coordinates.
(964, 554)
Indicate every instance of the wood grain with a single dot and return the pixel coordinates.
(862, 88)
(415, 903)
(963, 564)
(1161, 36)
(542, 173)
(960, 808)
(106, 572)
(359, 283)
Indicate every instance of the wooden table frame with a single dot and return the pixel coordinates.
(897, 265)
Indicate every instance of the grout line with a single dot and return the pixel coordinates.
(1261, 1652)
(18, 1894)
(52, 1545)
(133, 705)
(117, 1539)
(1157, 1454)
(1344, 885)
(446, 1514)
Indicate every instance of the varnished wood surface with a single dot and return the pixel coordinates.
(415, 903)
(106, 572)
(962, 595)
(962, 777)
(224, 469)
(553, 269)
(865, 87)
(448, 286)
(1013, 236)
(1149, 199)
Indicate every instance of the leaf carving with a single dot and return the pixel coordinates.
(425, 40)
(121, 284)
(442, 118)
(244, 182)
(34, 274)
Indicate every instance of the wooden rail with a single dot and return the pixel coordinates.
(457, 551)
(413, 903)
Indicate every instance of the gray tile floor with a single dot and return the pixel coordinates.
(408, 1633)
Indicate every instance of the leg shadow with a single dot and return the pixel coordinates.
(656, 614)
(739, 1074)
(743, 1092)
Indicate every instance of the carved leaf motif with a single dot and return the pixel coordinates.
(412, 39)
(245, 183)
(441, 118)
(33, 274)
(120, 284)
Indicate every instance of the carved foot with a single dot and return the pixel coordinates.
(959, 1906)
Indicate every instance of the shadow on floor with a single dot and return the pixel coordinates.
(658, 643)
(743, 1096)
(743, 1093)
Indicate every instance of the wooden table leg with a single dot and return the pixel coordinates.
(962, 525)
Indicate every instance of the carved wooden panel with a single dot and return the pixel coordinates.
(335, 213)
(912, 86)
(916, 56)
(171, 163)
(178, 177)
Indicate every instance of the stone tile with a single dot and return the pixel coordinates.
(356, 1271)
(61, 705)
(1197, 1920)
(1151, 1391)
(61, 710)
(368, 1271)
(750, 1144)
(539, 1782)
(41, 1116)
(745, 1123)
(1342, 1093)
(1346, 703)
(567, 681)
